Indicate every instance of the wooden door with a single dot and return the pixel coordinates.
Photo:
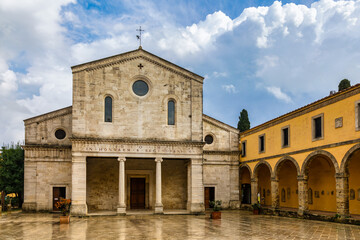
(209, 196)
(137, 193)
(58, 192)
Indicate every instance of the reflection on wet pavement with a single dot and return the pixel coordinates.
(233, 225)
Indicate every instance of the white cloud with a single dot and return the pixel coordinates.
(198, 36)
(229, 88)
(276, 92)
(296, 48)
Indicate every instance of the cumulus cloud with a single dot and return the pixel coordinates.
(229, 88)
(290, 49)
(196, 37)
(276, 92)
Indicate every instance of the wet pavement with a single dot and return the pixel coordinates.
(233, 225)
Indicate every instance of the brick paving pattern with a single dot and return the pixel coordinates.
(233, 225)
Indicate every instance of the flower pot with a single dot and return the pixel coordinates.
(64, 219)
(216, 215)
(256, 211)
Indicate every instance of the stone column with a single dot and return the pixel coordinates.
(274, 194)
(254, 190)
(195, 186)
(121, 210)
(302, 195)
(158, 204)
(342, 194)
(78, 205)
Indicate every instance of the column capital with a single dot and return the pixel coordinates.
(121, 159)
(254, 180)
(158, 159)
(301, 178)
(341, 175)
(274, 179)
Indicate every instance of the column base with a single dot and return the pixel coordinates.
(234, 204)
(121, 210)
(301, 212)
(29, 207)
(159, 209)
(197, 208)
(78, 209)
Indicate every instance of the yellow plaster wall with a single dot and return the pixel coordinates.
(354, 182)
(321, 179)
(287, 176)
(264, 183)
(301, 131)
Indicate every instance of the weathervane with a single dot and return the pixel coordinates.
(139, 36)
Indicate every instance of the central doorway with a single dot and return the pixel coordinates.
(137, 193)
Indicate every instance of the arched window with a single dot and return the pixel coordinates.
(171, 112)
(108, 109)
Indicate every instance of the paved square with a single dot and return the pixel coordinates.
(233, 225)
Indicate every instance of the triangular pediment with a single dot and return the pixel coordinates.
(135, 55)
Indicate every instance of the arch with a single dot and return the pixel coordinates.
(245, 165)
(347, 156)
(258, 165)
(282, 160)
(171, 110)
(108, 108)
(316, 153)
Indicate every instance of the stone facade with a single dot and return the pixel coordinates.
(97, 159)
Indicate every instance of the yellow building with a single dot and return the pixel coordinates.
(307, 160)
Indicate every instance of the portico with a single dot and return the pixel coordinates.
(153, 176)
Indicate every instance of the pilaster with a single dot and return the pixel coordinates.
(274, 194)
(195, 186)
(302, 195)
(254, 191)
(78, 205)
(342, 194)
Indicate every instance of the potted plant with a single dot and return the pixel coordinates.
(256, 208)
(216, 214)
(64, 206)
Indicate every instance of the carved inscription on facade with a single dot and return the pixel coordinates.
(138, 148)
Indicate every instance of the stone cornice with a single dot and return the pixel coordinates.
(44, 146)
(222, 152)
(50, 115)
(133, 141)
(304, 150)
(133, 55)
(220, 124)
(306, 109)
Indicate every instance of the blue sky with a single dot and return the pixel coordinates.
(268, 57)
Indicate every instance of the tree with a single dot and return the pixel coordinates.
(244, 123)
(344, 84)
(12, 171)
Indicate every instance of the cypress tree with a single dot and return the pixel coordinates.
(345, 83)
(244, 123)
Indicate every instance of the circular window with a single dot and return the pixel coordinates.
(60, 134)
(209, 139)
(140, 88)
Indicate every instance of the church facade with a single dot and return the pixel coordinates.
(135, 137)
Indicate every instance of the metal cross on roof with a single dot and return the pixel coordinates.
(139, 36)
